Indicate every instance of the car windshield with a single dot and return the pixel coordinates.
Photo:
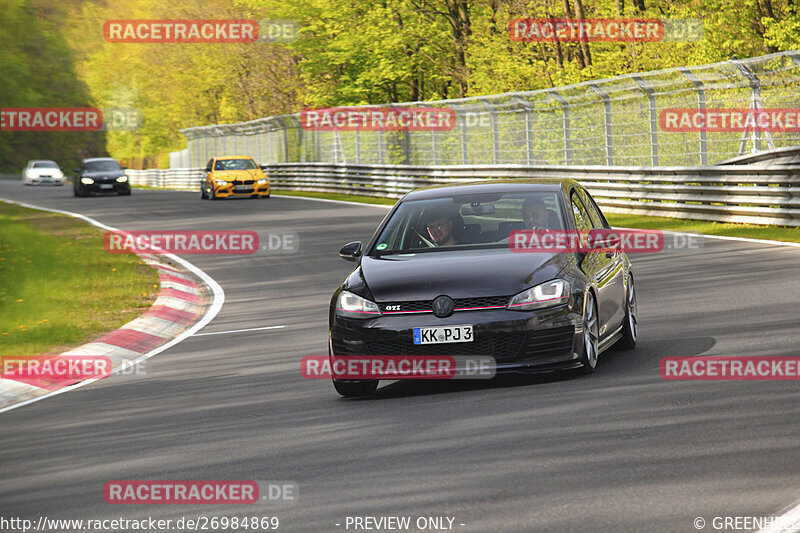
(101, 166)
(235, 164)
(467, 221)
(44, 164)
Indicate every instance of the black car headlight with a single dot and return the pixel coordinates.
(353, 306)
(555, 292)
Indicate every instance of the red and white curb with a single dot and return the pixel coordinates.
(188, 300)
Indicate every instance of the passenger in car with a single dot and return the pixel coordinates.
(534, 213)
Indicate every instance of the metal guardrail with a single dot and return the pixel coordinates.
(613, 121)
(174, 178)
(729, 193)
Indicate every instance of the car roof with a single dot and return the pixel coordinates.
(41, 161)
(492, 186)
(233, 157)
(92, 159)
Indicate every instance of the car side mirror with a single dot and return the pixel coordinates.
(207, 169)
(351, 251)
(76, 169)
(124, 168)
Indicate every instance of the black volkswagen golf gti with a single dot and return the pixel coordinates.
(441, 263)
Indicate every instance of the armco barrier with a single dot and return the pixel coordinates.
(730, 193)
(174, 178)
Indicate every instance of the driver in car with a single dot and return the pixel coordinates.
(440, 225)
(534, 214)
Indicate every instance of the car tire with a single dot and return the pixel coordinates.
(203, 195)
(353, 389)
(213, 194)
(77, 193)
(125, 193)
(591, 335)
(630, 328)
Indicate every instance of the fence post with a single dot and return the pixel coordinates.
(755, 103)
(495, 132)
(651, 100)
(606, 122)
(565, 124)
(701, 106)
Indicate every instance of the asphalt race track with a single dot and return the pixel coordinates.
(620, 450)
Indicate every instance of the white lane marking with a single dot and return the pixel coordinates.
(365, 204)
(238, 330)
(788, 522)
(216, 305)
(724, 237)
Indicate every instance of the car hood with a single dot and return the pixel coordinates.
(458, 274)
(251, 174)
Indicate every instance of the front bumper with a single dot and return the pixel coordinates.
(105, 187)
(534, 341)
(244, 190)
(42, 180)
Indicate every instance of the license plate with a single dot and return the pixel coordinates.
(106, 186)
(243, 188)
(443, 334)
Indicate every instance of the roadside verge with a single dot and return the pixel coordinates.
(188, 300)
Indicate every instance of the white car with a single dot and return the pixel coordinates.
(42, 171)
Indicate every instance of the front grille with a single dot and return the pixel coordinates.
(461, 303)
(549, 343)
(243, 182)
(501, 346)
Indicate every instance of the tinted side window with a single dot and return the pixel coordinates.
(594, 213)
(582, 220)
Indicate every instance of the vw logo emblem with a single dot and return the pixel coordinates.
(443, 306)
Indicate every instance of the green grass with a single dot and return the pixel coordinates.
(60, 288)
(750, 231)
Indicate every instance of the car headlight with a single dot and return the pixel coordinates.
(354, 306)
(122, 179)
(222, 182)
(548, 294)
(87, 181)
(262, 182)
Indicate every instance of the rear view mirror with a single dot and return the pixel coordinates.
(478, 209)
(351, 251)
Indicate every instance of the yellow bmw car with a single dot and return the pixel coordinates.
(233, 175)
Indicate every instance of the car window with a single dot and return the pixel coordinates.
(476, 221)
(210, 162)
(235, 164)
(582, 220)
(596, 217)
(101, 166)
(44, 164)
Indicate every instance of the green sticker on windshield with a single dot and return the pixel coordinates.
(382, 246)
